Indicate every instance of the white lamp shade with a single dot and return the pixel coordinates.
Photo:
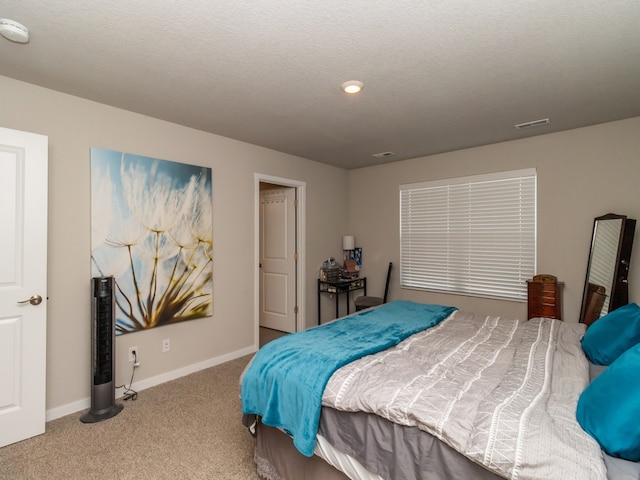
(348, 242)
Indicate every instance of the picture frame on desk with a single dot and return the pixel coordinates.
(356, 255)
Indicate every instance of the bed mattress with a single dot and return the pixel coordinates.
(500, 391)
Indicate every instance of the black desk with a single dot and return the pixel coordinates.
(337, 288)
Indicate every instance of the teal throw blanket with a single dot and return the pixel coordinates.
(285, 382)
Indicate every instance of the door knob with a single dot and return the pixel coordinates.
(34, 300)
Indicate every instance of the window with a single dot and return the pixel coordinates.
(472, 235)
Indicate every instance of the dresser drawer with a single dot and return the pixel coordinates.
(547, 311)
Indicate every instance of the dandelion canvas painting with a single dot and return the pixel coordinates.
(152, 230)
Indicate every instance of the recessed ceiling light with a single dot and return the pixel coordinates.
(14, 31)
(352, 86)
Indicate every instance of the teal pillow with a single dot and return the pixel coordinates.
(610, 336)
(609, 408)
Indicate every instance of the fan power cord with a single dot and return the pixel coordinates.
(130, 393)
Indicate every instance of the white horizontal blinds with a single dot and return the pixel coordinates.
(472, 235)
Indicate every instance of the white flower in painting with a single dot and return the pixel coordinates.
(110, 261)
(126, 233)
(151, 197)
(182, 234)
(202, 213)
(101, 206)
(157, 248)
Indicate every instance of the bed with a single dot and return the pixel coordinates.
(446, 395)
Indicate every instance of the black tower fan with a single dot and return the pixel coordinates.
(103, 392)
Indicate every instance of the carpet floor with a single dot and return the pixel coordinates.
(189, 428)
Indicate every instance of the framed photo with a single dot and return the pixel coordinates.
(356, 254)
(151, 229)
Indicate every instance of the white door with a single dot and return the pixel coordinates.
(23, 284)
(277, 259)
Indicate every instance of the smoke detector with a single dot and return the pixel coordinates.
(14, 31)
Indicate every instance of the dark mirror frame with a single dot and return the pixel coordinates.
(593, 298)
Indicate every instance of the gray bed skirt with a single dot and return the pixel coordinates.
(277, 459)
(389, 450)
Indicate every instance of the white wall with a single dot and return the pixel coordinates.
(582, 174)
(73, 125)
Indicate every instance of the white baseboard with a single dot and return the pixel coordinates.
(85, 403)
(67, 409)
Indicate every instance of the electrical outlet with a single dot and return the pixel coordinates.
(166, 345)
(133, 353)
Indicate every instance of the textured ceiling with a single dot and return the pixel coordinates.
(439, 75)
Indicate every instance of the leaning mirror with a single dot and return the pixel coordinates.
(606, 284)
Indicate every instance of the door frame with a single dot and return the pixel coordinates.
(300, 243)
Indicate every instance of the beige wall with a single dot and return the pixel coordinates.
(73, 125)
(582, 174)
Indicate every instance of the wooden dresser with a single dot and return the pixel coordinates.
(544, 297)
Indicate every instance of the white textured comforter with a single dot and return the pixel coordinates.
(502, 392)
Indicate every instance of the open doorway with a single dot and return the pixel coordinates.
(279, 255)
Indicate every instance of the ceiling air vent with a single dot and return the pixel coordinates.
(383, 154)
(535, 123)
